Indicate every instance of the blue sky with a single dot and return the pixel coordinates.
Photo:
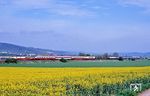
(77, 25)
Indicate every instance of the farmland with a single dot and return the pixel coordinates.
(77, 64)
(70, 81)
(74, 78)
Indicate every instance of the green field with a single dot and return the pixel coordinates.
(57, 64)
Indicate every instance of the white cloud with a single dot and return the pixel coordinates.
(31, 3)
(67, 8)
(140, 3)
(70, 10)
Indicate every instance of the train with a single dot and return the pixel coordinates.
(27, 58)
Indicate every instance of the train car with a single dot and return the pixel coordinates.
(56, 58)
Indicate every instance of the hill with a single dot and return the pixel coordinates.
(7, 48)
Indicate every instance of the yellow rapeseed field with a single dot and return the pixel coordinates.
(63, 81)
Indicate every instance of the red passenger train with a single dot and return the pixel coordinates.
(56, 58)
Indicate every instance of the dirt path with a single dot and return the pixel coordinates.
(145, 93)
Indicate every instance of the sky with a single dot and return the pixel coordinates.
(77, 25)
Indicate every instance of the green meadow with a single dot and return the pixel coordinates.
(98, 63)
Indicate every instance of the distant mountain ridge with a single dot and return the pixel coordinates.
(7, 48)
(142, 54)
(16, 49)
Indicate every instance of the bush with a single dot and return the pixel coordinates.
(120, 58)
(11, 60)
(63, 60)
(133, 59)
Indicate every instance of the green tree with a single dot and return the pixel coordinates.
(105, 56)
(115, 54)
(11, 60)
(120, 59)
(63, 60)
(84, 54)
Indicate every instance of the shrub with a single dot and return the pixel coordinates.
(120, 58)
(133, 59)
(63, 60)
(11, 60)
